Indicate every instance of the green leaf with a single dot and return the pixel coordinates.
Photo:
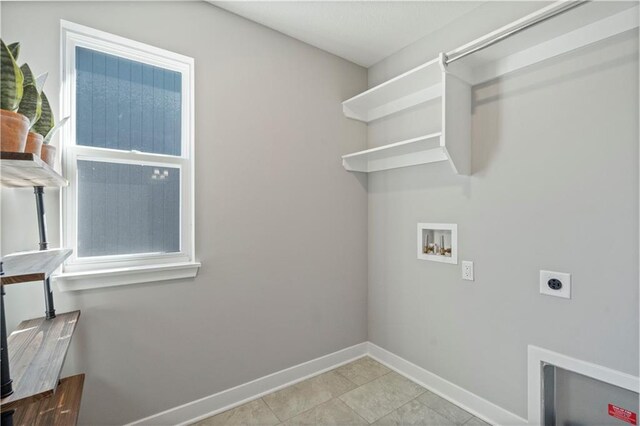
(14, 48)
(31, 104)
(46, 121)
(53, 131)
(11, 80)
(28, 77)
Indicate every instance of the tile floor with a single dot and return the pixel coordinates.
(360, 393)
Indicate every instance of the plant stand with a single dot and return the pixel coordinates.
(35, 394)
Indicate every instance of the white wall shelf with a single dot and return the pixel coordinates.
(451, 83)
(420, 150)
(411, 88)
(451, 143)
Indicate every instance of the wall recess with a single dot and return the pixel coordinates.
(438, 242)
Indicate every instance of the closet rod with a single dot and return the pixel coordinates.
(499, 35)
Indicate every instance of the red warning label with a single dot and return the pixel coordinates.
(622, 414)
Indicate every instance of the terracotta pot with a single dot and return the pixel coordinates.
(34, 143)
(48, 155)
(15, 127)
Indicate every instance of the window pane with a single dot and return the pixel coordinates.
(128, 105)
(126, 208)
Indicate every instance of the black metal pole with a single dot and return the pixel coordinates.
(7, 418)
(42, 223)
(50, 311)
(7, 388)
(6, 384)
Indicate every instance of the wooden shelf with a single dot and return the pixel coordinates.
(421, 150)
(31, 265)
(21, 169)
(37, 350)
(60, 409)
(414, 87)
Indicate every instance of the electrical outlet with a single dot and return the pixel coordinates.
(467, 270)
(555, 284)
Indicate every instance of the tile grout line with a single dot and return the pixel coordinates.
(446, 416)
(436, 411)
(338, 397)
(315, 406)
(391, 411)
(334, 398)
(271, 410)
(342, 375)
(359, 359)
(407, 403)
(358, 386)
(355, 412)
(386, 414)
(474, 417)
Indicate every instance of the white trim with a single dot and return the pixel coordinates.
(87, 280)
(464, 399)
(122, 46)
(72, 35)
(227, 399)
(537, 356)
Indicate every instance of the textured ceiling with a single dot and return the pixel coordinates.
(363, 32)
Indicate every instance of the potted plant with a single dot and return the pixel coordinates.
(13, 126)
(25, 103)
(31, 106)
(47, 128)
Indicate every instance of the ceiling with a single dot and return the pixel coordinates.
(363, 32)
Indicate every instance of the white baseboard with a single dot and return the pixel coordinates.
(227, 399)
(479, 407)
(469, 401)
(210, 405)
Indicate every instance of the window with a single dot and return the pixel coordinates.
(128, 155)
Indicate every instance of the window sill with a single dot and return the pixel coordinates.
(88, 280)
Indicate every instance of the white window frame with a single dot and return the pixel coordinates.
(99, 271)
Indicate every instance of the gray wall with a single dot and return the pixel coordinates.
(554, 186)
(281, 228)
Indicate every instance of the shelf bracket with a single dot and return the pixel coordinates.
(442, 62)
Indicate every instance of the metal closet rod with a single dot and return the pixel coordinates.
(464, 51)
